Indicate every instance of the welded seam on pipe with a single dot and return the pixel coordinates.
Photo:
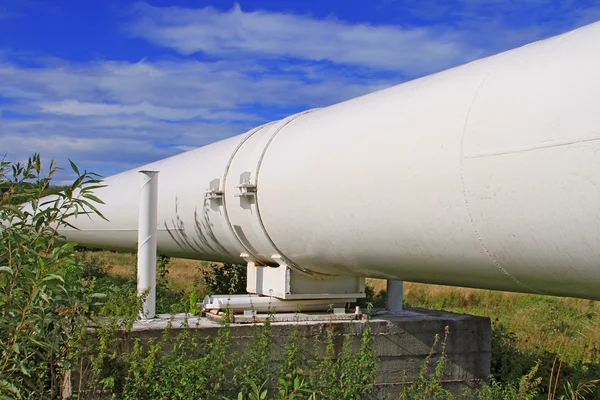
(484, 247)
(146, 241)
(289, 262)
(226, 173)
(534, 147)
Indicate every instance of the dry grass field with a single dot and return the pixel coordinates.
(183, 273)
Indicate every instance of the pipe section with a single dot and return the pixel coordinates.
(264, 304)
(485, 175)
(147, 245)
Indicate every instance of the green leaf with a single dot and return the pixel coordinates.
(74, 167)
(6, 269)
(94, 187)
(70, 245)
(9, 387)
(53, 277)
(92, 197)
(77, 183)
(24, 369)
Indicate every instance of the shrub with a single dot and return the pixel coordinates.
(44, 300)
(180, 365)
(372, 299)
(93, 267)
(225, 278)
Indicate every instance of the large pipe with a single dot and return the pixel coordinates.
(486, 175)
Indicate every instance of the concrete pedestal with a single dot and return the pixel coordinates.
(402, 342)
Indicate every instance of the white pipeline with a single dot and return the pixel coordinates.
(486, 175)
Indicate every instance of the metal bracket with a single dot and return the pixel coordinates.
(213, 194)
(246, 189)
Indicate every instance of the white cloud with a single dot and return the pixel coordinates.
(444, 34)
(410, 50)
(116, 115)
(77, 108)
(497, 25)
(184, 87)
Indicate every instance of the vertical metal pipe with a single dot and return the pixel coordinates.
(147, 226)
(395, 292)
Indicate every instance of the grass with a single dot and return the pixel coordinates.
(179, 286)
(184, 275)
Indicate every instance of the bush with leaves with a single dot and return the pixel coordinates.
(527, 388)
(225, 278)
(170, 299)
(93, 267)
(373, 299)
(44, 299)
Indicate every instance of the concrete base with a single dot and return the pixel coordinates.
(402, 342)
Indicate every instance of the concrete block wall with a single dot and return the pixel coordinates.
(402, 343)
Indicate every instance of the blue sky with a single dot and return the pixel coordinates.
(114, 84)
